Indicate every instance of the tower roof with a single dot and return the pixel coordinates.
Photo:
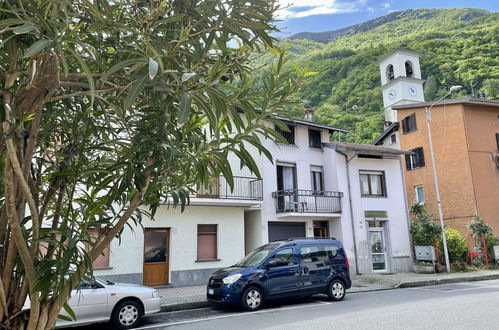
(399, 50)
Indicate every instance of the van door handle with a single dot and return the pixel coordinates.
(305, 270)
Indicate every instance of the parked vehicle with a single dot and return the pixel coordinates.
(283, 269)
(121, 304)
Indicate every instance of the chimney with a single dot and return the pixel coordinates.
(309, 114)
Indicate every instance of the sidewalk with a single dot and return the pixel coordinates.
(195, 296)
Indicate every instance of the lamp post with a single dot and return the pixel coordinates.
(435, 179)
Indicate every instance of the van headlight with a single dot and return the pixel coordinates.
(155, 294)
(232, 278)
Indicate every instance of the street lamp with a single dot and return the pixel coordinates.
(440, 214)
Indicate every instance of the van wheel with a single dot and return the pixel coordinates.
(126, 315)
(336, 290)
(252, 299)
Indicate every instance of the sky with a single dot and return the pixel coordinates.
(326, 15)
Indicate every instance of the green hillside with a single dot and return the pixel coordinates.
(459, 46)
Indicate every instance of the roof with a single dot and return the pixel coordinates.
(466, 101)
(313, 124)
(365, 148)
(400, 50)
(393, 127)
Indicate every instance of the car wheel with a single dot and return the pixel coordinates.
(127, 315)
(252, 299)
(336, 290)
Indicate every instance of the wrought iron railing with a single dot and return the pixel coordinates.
(244, 188)
(307, 201)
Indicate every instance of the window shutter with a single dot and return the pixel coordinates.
(404, 126)
(408, 161)
(421, 157)
(497, 140)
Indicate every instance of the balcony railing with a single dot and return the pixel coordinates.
(307, 201)
(246, 188)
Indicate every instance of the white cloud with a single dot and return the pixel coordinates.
(304, 8)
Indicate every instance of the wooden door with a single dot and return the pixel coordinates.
(156, 256)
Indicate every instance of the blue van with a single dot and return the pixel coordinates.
(294, 268)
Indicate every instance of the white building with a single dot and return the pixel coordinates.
(313, 188)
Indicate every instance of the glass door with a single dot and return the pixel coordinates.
(378, 248)
(156, 258)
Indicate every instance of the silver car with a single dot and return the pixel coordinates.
(102, 301)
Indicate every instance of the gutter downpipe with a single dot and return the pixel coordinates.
(351, 210)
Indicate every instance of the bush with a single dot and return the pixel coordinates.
(456, 245)
(478, 228)
(424, 230)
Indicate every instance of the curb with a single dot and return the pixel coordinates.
(184, 306)
(439, 281)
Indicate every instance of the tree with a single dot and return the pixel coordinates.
(112, 105)
(431, 88)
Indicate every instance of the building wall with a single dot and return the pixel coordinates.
(126, 260)
(453, 165)
(482, 123)
(396, 224)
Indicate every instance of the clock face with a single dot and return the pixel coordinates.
(392, 94)
(412, 91)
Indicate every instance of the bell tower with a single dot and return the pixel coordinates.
(401, 81)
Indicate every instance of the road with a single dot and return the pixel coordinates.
(472, 305)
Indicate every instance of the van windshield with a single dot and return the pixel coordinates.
(256, 256)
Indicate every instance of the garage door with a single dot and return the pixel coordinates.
(284, 230)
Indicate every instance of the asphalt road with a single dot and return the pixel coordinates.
(472, 305)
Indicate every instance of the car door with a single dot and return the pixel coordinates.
(282, 273)
(92, 302)
(314, 271)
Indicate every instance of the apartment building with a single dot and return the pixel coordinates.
(311, 188)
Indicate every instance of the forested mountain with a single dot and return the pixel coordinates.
(458, 46)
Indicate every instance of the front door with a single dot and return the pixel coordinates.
(282, 278)
(377, 248)
(156, 256)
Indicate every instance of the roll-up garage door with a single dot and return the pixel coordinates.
(284, 230)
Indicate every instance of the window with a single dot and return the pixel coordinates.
(393, 138)
(408, 69)
(102, 260)
(409, 124)
(416, 160)
(289, 136)
(312, 253)
(372, 184)
(283, 257)
(331, 251)
(389, 72)
(207, 242)
(419, 193)
(314, 139)
(317, 178)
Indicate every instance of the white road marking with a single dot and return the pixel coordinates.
(231, 315)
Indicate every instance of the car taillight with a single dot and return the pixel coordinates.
(348, 264)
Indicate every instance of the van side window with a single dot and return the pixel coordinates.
(312, 253)
(331, 251)
(283, 257)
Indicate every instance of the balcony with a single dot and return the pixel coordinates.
(245, 188)
(307, 201)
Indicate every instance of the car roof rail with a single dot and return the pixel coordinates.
(308, 238)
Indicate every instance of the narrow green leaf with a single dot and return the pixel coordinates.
(153, 68)
(187, 76)
(121, 65)
(37, 47)
(70, 311)
(25, 28)
(137, 87)
(185, 108)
